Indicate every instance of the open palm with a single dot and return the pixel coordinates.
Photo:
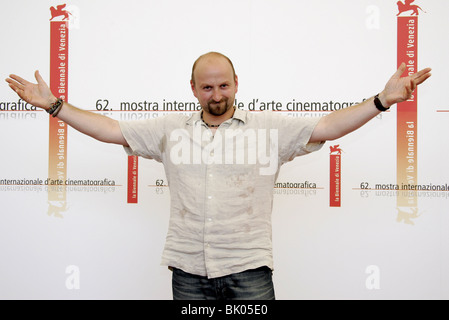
(38, 95)
(399, 89)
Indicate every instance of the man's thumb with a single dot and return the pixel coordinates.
(38, 77)
(400, 70)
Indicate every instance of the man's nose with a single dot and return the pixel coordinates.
(217, 95)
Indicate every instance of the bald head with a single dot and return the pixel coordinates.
(214, 84)
(211, 58)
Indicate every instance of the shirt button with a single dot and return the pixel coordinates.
(209, 219)
(210, 175)
(209, 197)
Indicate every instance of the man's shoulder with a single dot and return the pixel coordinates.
(159, 122)
(177, 116)
(263, 115)
(277, 119)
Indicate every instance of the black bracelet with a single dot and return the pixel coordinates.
(55, 106)
(378, 104)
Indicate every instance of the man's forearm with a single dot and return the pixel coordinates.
(94, 125)
(341, 122)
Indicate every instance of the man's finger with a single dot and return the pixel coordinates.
(422, 78)
(16, 89)
(14, 84)
(18, 79)
(423, 71)
(400, 71)
(422, 75)
(412, 86)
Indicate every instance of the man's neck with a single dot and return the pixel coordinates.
(214, 121)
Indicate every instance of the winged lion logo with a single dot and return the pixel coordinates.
(408, 6)
(59, 11)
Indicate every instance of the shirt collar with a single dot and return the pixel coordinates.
(238, 114)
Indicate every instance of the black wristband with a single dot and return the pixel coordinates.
(378, 104)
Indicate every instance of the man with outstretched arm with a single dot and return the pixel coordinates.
(218, 242)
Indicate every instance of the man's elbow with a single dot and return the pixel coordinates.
(112, 134)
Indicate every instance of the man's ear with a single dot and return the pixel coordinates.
(236, 83)
(192, 86)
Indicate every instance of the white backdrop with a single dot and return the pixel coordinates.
(101, 247)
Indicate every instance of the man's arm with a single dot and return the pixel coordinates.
(94, 125)
(341, 122)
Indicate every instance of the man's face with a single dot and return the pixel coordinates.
(215, 86)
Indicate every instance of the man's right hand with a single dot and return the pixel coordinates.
(38, 95)
(97, 126)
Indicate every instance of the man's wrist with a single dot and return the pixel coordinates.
(381, 102)
(51, 101)
(385, 102)
(55, 107)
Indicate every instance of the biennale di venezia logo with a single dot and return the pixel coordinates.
(70, 14)
(407, 115)
(407, 6)
(59, 11)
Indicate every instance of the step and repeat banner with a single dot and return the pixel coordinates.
(366, 217)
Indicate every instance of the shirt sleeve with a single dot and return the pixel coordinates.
(294, 135)
(144, 137)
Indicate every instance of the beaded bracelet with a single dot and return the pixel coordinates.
(55, 107)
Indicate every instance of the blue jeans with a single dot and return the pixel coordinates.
(255, 284)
